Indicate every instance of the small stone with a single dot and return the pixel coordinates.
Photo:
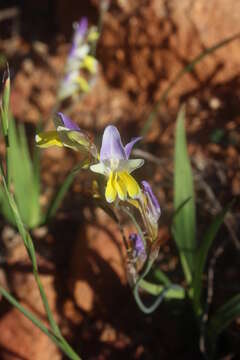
(214, 103)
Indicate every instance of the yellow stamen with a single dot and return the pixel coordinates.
(110, 192)
(47, 139)
(132, 186)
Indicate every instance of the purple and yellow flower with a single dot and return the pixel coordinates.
(117, 167)
(81, 66)
(67, 134)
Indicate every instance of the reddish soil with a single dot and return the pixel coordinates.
(142, 46)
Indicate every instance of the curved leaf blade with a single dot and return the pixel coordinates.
(184, 225)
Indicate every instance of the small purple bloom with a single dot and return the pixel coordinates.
(112, 147)
(79, 34)
(139, 251)
(152, 202)
(116, 165)
(82, 27)
(67, 123)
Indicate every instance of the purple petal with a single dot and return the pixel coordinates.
(138, 245)
(80, 32)
(112, 147)
(153, 200)
(82, 27)
(129, 146)
(63, 120)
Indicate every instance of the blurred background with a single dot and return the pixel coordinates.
(143, 45)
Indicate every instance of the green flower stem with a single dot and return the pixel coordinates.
(63, 345)
(32, 255)
(170, 291)
(138, 228)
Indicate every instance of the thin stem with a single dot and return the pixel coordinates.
(62, 191)
(188, 68)
(58, 341)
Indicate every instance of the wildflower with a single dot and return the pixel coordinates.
(67, 134)
(117, 167)
(81, 66)
(138, 252)
(150, 209)
(153, 206)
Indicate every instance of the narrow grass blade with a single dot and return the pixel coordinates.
(58, 341)
(31, 252)
(23, 177)
(184, 226)
(55, 203)
(223, 318)
(30, 249)
(201, 257)
(188, 68)
(5, 209)
(5, 103)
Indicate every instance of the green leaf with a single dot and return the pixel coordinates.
(23, 176)
(31, 252)
(5, 103)
(5, 208)
(201, 257)
(223, 317)
(184, 226)
(61, 343)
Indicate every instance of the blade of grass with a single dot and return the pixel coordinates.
(201, 257)
(34, 214)
(5, 102)
(184, 225)
(72, 355)
(31, 252)
(23, 177)
(30, 249)
(4, 115)
(55, 203)
(5, 208)
(188, 68)
(223, 318)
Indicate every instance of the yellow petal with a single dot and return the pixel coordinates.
(93, 35)
(132, 186)
(47, 139)
(120, 188)
(83, 84)
(110, 192)
(134, 203)
(89, 63)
